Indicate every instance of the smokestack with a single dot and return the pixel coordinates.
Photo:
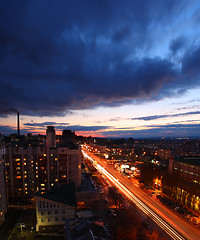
(18, 128)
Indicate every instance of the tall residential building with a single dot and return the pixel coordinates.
(39, 168)
(50, 137)
(21, 171)
(3, 192)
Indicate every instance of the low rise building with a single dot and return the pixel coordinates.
(53, 207)
(82, 228)
(188, 168)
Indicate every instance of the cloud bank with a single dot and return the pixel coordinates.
(57, 56)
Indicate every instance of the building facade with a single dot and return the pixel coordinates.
(52, 208)
(182, 183)
(34, 169)
(50, 137)
(188, 168)
(3, 192)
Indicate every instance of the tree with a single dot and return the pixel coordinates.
(116, 196)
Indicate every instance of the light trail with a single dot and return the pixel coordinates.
(157, 219)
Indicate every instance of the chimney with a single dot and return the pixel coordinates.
(18, 128)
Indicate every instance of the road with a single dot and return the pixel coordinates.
(175, 226)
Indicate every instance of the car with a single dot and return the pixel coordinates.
(196, 220)
(112, 212)
(190, 219)
(176, 208)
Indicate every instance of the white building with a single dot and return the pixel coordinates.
(3, 192)
(52, 208)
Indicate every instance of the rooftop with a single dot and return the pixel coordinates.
(63, 194)
(189, 160)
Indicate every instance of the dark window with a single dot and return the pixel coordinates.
(63, 212)
(56, 212)
(56, 219)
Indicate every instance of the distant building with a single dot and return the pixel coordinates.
(164, 153)
(182, 184)
(187, 168)
(3, 192)
(50, 137)
(53, 207)
(68, 137)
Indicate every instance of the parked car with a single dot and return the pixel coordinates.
(112, 212)
(176, 208)
(187, 216)
(196, 221)
(190, 219)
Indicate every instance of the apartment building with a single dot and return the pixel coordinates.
(34, 169)
(3, 192)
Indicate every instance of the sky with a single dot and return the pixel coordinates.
(106, 68)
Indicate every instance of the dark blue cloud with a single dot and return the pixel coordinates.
(44, 124)
(177, 44)
(153, 117)
(4, 129)
(79, 54)
(86, 128)
(172, 130)
(62, 126)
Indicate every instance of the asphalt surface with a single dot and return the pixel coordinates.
(166, 216)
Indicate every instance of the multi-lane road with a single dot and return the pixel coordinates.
(175, 226)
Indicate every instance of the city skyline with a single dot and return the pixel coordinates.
(106, 69)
